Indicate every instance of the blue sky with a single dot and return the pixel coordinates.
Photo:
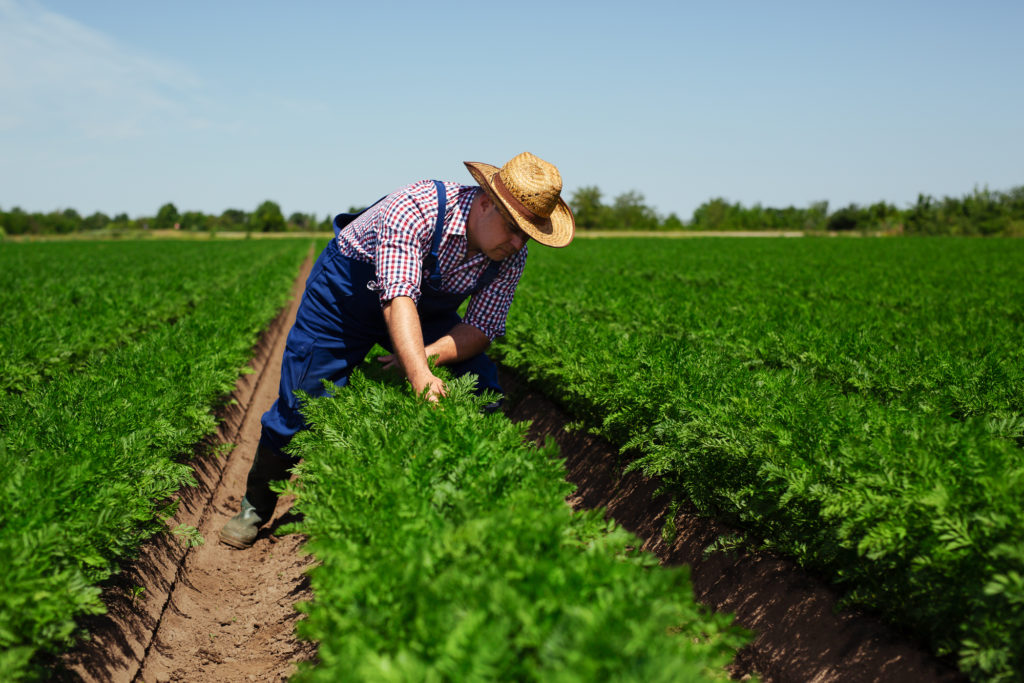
(123, 106)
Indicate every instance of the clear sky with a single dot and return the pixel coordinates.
(122, 106)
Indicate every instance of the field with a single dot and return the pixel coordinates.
(855, 405)
(114, 356)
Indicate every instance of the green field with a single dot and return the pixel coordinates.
(113, 357)
(856, 404)
(447, 553)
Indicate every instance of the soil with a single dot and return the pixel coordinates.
(213, 613)
(210, 612)
(801, 635)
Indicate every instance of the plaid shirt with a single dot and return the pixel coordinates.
(395, 235)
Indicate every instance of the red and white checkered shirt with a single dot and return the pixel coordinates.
(396, 234)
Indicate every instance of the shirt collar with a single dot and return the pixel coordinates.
(464, 201)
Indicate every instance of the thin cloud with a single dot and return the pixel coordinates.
(59, 75)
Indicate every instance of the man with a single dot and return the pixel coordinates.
(396, 274)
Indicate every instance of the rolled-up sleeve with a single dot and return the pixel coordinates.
(403, 234)
(488, 308)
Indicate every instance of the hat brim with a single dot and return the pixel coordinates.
(555, 231)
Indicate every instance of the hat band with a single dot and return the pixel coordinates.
(530, 216)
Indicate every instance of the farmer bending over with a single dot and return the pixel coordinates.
(395, 274)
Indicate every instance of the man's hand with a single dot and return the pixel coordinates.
(431, 384)
(436, 386)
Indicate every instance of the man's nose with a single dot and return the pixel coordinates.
(518, 241)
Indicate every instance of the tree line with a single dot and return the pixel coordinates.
(266, 218)
(983, 212)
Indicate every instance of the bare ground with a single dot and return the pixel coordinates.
(211, 613)
(800, 634)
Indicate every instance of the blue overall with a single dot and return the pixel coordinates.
(340, 319)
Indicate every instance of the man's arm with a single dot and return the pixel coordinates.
(403, 323)
(463, 342)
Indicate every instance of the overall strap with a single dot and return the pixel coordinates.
(487, 277)
(343, 219)
(430, 262)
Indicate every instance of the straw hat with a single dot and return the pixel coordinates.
(527, 190)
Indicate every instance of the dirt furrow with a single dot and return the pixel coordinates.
(801, 636)
(210, 613)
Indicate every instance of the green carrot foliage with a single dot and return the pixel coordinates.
(857, 404)
(114, 356)
(446, 552)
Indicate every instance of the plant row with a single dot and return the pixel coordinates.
(65, 301)
(855, 404)
(446, 552)
(91, 455)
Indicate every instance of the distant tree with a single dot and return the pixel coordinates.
(166, 217)
(920, 216)
(816, 216)
(1014, 200)
(987, 212)
(302, 221)
(672, 223)
(60, 222)
(16, 221)
(845, 219)
(587, 208)
(194, 220)
(232, 219)
(882, 216)
(754, 218)
(630, 213)
(97, 221)
(715, 214)
(267, 218)
(121, 221)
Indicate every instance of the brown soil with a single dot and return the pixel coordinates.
(211, 613)
(801, 636)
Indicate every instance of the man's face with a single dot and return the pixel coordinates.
(492, 234)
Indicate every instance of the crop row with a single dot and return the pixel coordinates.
(64, 301)
(91, 453)
(446, 552)
(858, 405)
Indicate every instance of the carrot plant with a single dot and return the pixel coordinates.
(92, 452)
(857, 404)
(64, 301)
(446, 552)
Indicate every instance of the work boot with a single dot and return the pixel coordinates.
(259, 501)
